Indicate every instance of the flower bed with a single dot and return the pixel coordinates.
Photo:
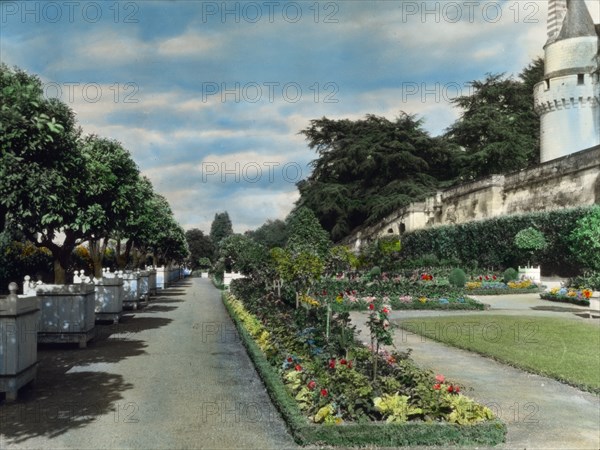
(421, 293)
(313, 389)
(579, 297)
(493, 287)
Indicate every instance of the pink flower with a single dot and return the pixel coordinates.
(440, 378)
(332, 363)
(385, 310)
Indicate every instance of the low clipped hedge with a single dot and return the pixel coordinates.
(381, 434)
(500, 291)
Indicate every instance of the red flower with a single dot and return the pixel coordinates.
(332, 363)
(289, 359)
(480, 278)
(298, 368)
(494, 277)
(371, 306)
(487, 277)
(456, 389)
(385, 310)
(311, 384)
(343, 361)
(324, 392)
(450, 388)
(324, 292)
(436, 387)
(349, 364)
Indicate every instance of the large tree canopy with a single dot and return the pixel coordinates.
(369, 167)
(498, 129)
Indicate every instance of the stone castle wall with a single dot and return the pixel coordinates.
(567, 182)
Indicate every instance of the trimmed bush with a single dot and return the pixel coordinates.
(457, 278)
(510, 274)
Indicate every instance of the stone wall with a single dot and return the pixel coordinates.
(567, 182)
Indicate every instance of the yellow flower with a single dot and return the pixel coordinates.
(423, 299)
(554, 290)
(571, 293)
(473, 285)
(339, 299)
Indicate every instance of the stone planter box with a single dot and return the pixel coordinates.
(228, 277)
(152, 282)
(161, 278)
(19, 321)
(530, 273)
(109, 299)
(131, 290)
(67, 313)
(144, 286)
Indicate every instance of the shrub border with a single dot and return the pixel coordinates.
(507, 291)
(575, 301)
(382, 434)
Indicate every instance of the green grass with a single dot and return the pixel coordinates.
(564, 349)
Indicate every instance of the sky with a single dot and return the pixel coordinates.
(210, 97)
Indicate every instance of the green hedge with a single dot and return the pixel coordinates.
(490, 243)
(382, 434)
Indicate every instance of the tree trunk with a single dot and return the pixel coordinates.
(60, 273)
(97, 254)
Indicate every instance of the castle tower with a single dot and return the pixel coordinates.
(568, 100)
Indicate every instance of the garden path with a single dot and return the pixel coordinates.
(175, 375)
(540, 413)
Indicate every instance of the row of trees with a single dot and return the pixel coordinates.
(59, 189)
(368, 168)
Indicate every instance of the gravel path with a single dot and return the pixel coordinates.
(175, 375)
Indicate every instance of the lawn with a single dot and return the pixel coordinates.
(563, 349)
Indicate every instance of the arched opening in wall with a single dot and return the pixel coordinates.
(390, 231)
(402, 228)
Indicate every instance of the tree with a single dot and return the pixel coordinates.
(112, 191)
(585, 240)
(200, 247)
(243, 254)
(220, 228)
(498, 129)
(531, 241)
(368, 168)
(306, 234)
(271, 234)
(43, 174)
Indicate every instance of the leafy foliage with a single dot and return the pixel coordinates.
(220, 228)
(200, 247)
(585, 240)
(367, 168)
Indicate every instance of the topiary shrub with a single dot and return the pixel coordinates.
(457, 278)
(510, 274)
(530, 240)
(374, 272)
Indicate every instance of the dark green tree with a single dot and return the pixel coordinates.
(498, 130)
(271, 234)
(200, 247)
(220, 228)
(368, 168)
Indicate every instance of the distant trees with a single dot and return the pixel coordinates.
(200, 246)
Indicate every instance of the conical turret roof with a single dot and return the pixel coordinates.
(578, 22)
